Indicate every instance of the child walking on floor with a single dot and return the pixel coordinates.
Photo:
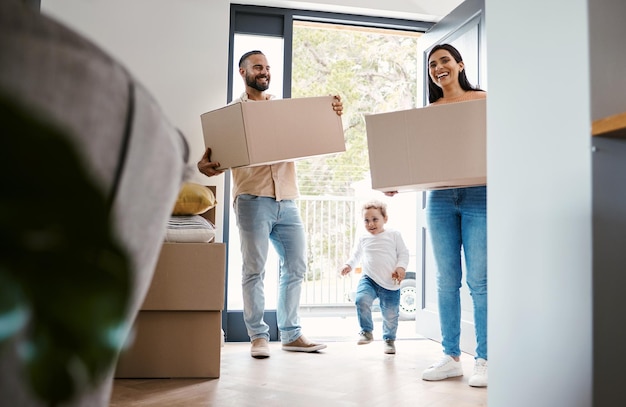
(384, 258)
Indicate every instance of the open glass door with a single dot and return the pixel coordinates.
(464, 28)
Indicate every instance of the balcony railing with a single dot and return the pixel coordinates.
(330, 227)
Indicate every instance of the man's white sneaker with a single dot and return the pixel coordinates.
(365, 338)
(260, 348)
(479, 378)
(445, 368)
(390, 347)
(302, 344)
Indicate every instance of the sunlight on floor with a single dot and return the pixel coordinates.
(346, 328)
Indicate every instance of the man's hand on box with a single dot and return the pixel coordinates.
(208, 167)
(338, 105)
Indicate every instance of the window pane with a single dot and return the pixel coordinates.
(272, 47)
(374, 70)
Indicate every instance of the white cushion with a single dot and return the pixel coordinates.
(189, 229)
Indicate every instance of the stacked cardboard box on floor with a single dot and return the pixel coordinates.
(177, 333)
(434, 147)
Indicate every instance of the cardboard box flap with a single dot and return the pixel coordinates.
(222, 129)
(378, 150)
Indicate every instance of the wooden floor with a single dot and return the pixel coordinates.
(344, 375)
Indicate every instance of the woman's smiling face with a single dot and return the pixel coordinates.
(443, 68)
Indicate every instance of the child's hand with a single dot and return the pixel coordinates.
(398, 275)
(345, 270)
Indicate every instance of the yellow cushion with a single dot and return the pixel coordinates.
(194, 199)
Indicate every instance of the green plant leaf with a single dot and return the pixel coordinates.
(64, 278)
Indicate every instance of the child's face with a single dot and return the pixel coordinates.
(374, 221)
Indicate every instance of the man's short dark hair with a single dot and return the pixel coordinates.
(245, 56)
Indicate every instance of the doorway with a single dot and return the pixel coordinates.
(376, 66)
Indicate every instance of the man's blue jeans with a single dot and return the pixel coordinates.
(457, 218)
(367, 291)
(261, 219)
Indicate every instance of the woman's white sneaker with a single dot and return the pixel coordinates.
(479, 378)
(445, 368)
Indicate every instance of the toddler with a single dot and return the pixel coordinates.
(384, 258)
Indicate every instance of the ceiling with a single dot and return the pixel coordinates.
(424, 10)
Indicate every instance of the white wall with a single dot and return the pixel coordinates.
(538, 149)
(539, 216)
(178, 49)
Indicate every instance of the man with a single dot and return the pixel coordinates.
(264, 202)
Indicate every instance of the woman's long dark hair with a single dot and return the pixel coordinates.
(435, 92)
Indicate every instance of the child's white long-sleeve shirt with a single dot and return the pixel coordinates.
(379, 255)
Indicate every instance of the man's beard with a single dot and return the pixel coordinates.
(251, 81)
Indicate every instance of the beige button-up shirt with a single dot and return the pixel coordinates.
(277, 181)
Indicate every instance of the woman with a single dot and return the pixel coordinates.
(457, 218)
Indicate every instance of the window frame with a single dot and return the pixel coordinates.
(278, 22)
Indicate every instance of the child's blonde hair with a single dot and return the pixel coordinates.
(381, 206)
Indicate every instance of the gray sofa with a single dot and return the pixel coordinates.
(132, 152)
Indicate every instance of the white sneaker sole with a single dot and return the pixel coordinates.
(307, 349)
(260, 354)
(477, 382)
(434, 376)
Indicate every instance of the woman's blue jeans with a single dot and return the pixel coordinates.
(457, 218)
(261, 220)
(367, 291)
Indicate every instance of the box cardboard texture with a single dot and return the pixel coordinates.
(254, 133)
(173, 344)
(434, 147)
(188, 277)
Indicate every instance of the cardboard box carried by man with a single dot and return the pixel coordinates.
(255, 133)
